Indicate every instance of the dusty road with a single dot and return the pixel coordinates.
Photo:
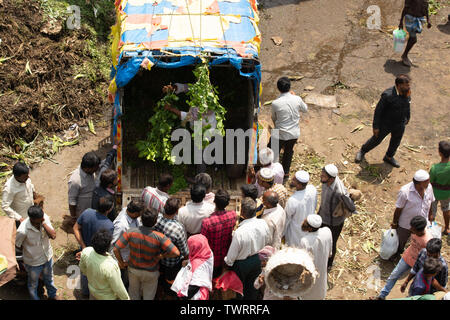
(327, 42)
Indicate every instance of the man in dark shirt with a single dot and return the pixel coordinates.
(414, 12)
(392, 114)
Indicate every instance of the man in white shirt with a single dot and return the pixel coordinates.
(275, 218)
(249, 238)
(127, 218)
(414, 199)
(205, 180)
(156, 197)
(208, 118)
(318, 241)
(286, 116)
(33, 238)
(301, 204)
(18, 193)
(192, 214)
(266, 158)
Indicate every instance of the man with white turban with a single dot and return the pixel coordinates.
(414, 199)
(335, 204)
(301, 204)
(266, 181)
(319, 242)
(266, 158)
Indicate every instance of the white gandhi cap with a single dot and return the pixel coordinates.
(314, 220)
(421, 175)
(302, 176)
(332, 170)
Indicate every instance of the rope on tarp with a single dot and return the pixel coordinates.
(190, 22)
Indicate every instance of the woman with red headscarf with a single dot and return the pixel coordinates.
(194, 281)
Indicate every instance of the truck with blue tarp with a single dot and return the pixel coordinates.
(159, 42)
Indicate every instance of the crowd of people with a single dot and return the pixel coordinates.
(156, 243)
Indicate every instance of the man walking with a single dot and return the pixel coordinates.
(248, 239)
(334, 197)
(414, 13)
(392, 114)
(440, 180)
(147, 248)
(414, 199)
(286, 116)
(18, 193)
(300, 205)
(319, 242)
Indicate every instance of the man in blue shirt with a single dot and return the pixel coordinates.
(89, 222)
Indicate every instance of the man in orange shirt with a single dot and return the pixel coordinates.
(419, 238)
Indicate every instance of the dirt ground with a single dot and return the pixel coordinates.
(327, 42)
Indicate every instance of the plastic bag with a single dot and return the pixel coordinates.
(399, 40)
(389, 244)
(435, 230)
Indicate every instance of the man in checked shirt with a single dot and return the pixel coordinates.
(174, 230)
(218, 229)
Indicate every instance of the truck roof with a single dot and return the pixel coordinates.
(174, 33)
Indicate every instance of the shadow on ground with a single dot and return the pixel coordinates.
(445, 28)
(265, 4)
(395, 67)
(374, 173)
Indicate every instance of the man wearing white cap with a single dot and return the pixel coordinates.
(319, 242)
(414, 199)
(265, 180)
(335, 204)
(301, 204)
(266, 158)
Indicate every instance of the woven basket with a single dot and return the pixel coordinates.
(290, 272)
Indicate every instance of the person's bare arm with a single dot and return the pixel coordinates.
(407, 280)
(437, 286)
(73, 210)
(77, 233)
(397, 214)
(49, 230)
(122, 264)
(173, 110)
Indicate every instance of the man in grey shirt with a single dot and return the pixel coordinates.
(285, 116)
(334, 201)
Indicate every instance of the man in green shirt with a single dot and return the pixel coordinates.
(102, 271)
(440, 180)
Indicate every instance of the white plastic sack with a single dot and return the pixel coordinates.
(435, 230)
(389, 244)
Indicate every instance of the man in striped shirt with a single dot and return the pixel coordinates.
(156, 197)
(147, 248)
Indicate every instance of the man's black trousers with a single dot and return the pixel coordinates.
(396, 138)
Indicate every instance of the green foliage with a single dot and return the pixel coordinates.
(179, 181)
(203, 95)
(434, 6)
(158, 143)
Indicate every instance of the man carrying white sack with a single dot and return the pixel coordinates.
(301, 204)
(319, 242)
(414, 199)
